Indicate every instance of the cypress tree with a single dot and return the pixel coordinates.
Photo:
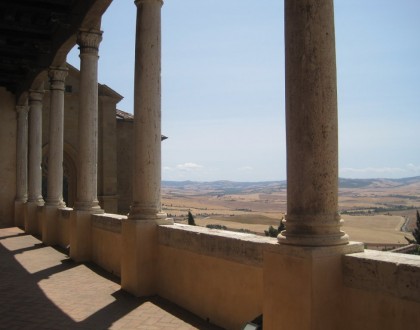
(191, 220)
(416, 231)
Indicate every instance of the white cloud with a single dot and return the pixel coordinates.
(372, 170)
(188, 167)
(412, 167)
(369, 172)
(246, 168)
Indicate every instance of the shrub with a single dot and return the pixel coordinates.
(274, 232)
(216, 227)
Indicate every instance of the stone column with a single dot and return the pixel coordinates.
(35, 200)
(21, 163)
(311, 126)
(87, 167)
(54, 199)
(138, 264)
(87, 163)
(56, 137)
(35, 147)
(147, 113)
(306, 268)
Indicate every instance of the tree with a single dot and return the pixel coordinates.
(416, 231)
(191, 220)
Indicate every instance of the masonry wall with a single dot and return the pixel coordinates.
(216, 275)
(107, 155)
(63, 227)
(381, 291)
(124, 165)
(7, 157)
(230, 278)
(107, 242)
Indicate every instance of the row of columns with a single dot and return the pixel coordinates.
(29, 174)
(311, 124)
(145, 212)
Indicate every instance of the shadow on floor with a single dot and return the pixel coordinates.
(24, 305)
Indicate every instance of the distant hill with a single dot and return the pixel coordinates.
(226, 187)
(378, 183)
(233, 187)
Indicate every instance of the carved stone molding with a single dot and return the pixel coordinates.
(89, 40)
(57, 77)
(22, 109)
(36, 95)
(139, 2)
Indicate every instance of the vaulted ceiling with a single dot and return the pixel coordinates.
(35, 34)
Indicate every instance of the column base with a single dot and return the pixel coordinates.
(50, 217)
(139, 256)
(313, 240)
(19, 213)
(313, 230)
(33, 218)
(303, 285)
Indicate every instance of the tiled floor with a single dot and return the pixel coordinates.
(40, 288)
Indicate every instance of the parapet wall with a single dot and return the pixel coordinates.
(215, 274)
(106, 241)
(382, 291)
(230, 278)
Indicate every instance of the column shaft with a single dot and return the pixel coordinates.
(147, 113)
(311, 125)
(56, 137)
(35, 147)
(22, 154)
(87, 182)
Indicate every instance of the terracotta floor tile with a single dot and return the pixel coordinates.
(40, 288)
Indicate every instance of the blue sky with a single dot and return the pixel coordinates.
(223, 86)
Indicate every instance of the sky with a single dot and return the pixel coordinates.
(223, 86)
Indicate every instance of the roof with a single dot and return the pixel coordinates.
(122, 115)
(125, 116)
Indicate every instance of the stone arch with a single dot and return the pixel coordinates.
(69, 173)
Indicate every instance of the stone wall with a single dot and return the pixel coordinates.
(63, 228)
(230, 278)
(106, 242)
(124, 165)
(107, 155)
(214, 274)
(381, 290)
(7, 157)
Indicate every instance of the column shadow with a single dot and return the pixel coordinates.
(23, 304)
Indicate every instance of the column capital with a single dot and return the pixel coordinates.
(22, 109)
(57, 77)
(140, 2)
(89, 40)
(36, 95)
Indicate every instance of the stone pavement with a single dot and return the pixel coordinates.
(41, 288)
